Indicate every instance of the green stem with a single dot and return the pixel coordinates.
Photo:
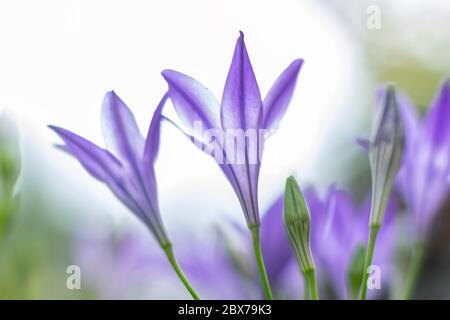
(305, 287)
(414, 270)
(311, 276)
(370, 248)
(259, 259)
(170, 255)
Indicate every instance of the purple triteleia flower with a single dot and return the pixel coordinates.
(242, 110)
(423, 179)
(127, 165)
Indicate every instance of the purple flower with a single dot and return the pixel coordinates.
(235, 125)
(123, 267)
(424, 178)
(127, 165)
(339, 226)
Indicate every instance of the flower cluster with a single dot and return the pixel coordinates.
(330, 244)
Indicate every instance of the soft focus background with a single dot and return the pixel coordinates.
(58, 58)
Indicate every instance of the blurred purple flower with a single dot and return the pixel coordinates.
(241, 109)
(338, 226)
(424, 176)
(124, 267)
(274, 242)
(127, 166)
(118, 268)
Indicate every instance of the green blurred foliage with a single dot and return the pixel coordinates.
(34, 252)
(37, 252)
(9, 173)
(410, 75)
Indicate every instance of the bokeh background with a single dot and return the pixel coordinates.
(58, 58)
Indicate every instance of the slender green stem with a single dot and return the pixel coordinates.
(311, 276)
(414, 270)
(170, 255)
(259, 259)
(305, 287)
(369, 254)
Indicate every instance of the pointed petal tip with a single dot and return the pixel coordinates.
(298, 62)
(240, 42)
(166, 72)
(169, 74)
(110, 93)
(109, 98)
(296, 65)
(61, 132)
(56, 129)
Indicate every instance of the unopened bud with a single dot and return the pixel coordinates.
(385, 154)
(298, 224)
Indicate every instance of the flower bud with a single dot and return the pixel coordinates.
(298, 224)
(385, 154)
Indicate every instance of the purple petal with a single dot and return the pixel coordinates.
(152, 141)
(410, 119)
(243, 179)
(147, 169)
(422, 180)
(193, 102)
(98, 162)
(435, 147)
(123, 137)
(241, 106)
(335, 235)
(120, 129)
(363, 143)
(105, 167)
(436, 122)
(279, 96)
